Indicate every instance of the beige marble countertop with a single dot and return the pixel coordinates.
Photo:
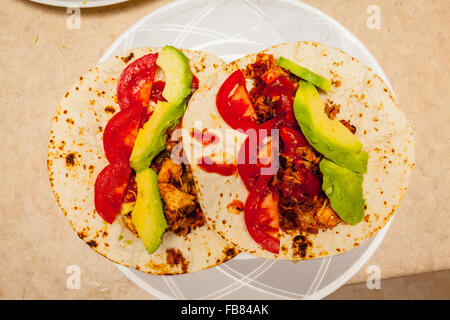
(40, 58)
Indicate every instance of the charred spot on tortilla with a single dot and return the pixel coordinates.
(110, 109)
(230, 253)
(300, 246)
(92, 243)
(70, 159)
(175, 258)
(62, 145)
(128, 58)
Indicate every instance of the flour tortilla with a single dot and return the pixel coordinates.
(364, 99)
(76, 157)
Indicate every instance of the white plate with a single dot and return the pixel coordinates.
(79, 3)
(231, 29)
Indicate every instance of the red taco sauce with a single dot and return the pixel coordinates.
(206, 163)
(204, 137)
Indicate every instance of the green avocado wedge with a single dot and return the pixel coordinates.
(330, 137)
(147, 215)
(151, 138)
(344, 189)
(305, 74)
(178, 73)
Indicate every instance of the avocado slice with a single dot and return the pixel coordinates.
(178, 73)
(330, 137)
(345, 190)
(305, 74)
(147, 215)
(151, 138)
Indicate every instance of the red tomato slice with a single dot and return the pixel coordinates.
(233, 103)
(248, 168)
(261, 215)
(282, 88)
(120, 134)
(110, 188)
(253, 157)
(279, 86)
(157, 90)
(195, 84)
(310, 185)
(292, 140)
(135, 82)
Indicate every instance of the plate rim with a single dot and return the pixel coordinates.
(376, 239)
(67, 4)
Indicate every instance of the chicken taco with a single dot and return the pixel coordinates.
(116, 165)
(311, 156)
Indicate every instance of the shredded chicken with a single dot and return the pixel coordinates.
(306, 219)
(265, 65)
(174, 198)
(169, 172)
(326, 216)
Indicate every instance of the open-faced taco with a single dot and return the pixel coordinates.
(311, 156)
(115, 162)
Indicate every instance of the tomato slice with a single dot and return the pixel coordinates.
(120, 134)
(233, 103)
(278, 85)
(292, 140)
(261, 215)
(283, 89)
(109, 190)
(136, 81)
(310, 185)
(157, 90)
(195, 85)
(255, 155)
